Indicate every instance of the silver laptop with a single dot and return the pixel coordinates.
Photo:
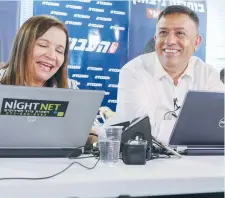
(33, 117)
(200, 125)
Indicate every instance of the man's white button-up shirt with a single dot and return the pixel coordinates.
(146, 88)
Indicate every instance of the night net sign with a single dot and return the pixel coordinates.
(27, 107)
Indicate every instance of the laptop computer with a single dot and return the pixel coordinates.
(199, 129)
(45, 122)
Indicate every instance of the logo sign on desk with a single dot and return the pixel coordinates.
(27, 107)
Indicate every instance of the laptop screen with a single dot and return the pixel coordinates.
(201, 120)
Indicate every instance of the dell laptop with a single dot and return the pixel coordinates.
(199, 129)
(44, 122)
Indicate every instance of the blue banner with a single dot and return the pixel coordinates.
(9, 23)
(98, 33)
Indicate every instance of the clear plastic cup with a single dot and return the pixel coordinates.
(109, 144)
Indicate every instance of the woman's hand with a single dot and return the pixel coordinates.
(93, 137)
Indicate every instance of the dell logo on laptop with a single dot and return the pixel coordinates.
(221, 123)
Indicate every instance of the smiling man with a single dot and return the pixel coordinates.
(156, 83)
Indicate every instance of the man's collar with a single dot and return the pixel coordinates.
(190, 69)
(160, 72)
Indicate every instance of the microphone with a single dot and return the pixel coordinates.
(176, 106)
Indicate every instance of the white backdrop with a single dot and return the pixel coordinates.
(215, 43)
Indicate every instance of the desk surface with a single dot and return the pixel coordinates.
(157, 177)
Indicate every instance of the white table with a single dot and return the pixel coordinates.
(157, 177)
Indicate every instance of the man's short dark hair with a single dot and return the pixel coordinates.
(173, 9)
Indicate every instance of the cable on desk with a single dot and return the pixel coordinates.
(93, 154)
(76, 151)
(58, 173)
